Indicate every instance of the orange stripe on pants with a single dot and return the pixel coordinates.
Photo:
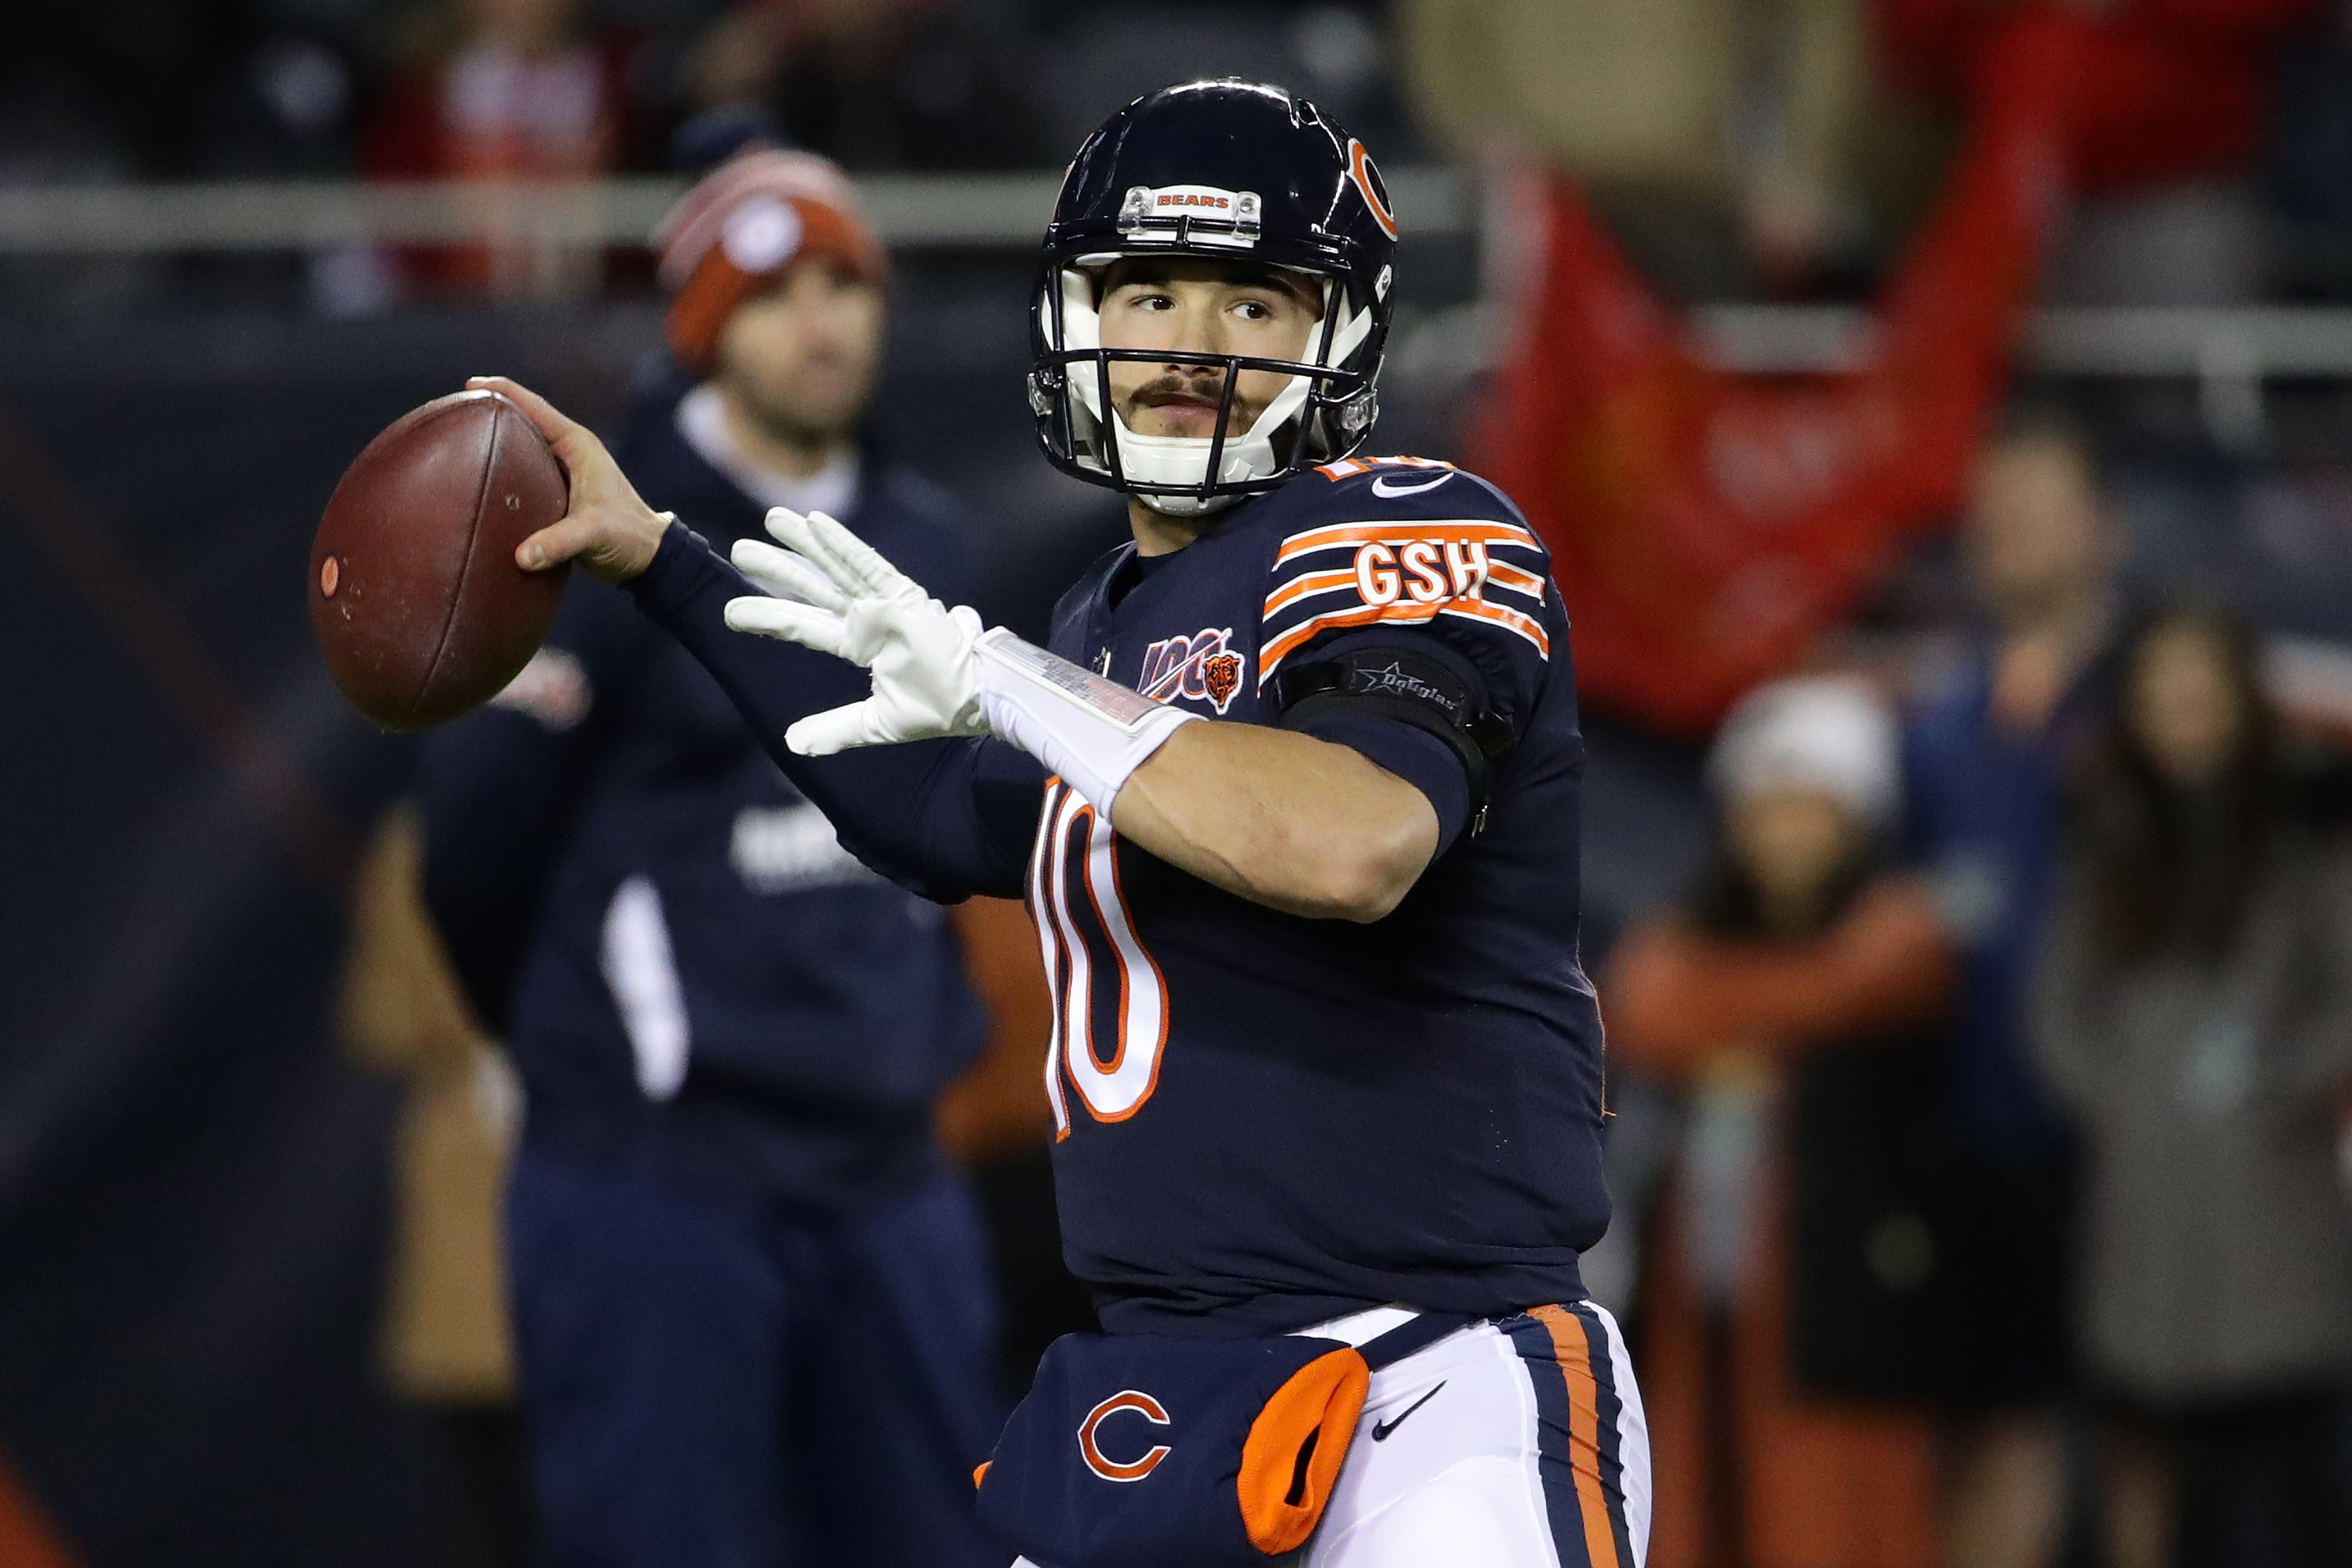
(1574, 1354)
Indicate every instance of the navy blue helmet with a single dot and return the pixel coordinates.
(1227, 170)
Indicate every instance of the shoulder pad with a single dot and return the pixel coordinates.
(1355, 558)
(1384, 487)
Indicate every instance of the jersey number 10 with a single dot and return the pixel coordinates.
(1110, 1001)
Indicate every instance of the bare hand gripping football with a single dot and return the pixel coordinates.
(937, 673)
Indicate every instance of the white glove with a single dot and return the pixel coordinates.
(836, 593)
(936, 672)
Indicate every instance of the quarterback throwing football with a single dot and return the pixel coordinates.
(1292, 799)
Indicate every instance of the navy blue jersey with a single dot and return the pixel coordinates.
(691, 975)
(1266, 1120)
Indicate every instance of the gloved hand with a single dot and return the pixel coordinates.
(838, 594)
(936, 672)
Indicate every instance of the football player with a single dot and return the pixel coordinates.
(1293, 798)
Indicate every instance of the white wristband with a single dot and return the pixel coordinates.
(1092, 731)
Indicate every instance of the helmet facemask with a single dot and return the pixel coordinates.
(1325, 404)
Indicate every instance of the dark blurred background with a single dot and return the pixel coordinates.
(201, 321)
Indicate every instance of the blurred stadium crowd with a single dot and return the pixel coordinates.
(1941, 413)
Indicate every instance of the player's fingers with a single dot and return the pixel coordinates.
(835, 729)
(850, 560)
(788, 528)
(551, 422)
(787, 575)
(627, 529)
(803, 536)
(781, 618)
(573, 534)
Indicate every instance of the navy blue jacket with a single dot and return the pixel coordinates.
(1981, 812)
(619, 870)
(1266, 1120)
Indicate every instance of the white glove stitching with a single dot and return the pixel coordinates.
(836, 593)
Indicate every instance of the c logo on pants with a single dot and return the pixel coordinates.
(1141, 1403)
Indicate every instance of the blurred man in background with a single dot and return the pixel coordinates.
(751, 1310)
(1985, 756)
(446, 1346)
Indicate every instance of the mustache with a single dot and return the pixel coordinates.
(1186, 383)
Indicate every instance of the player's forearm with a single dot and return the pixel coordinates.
(923, 815)
(1284, 820)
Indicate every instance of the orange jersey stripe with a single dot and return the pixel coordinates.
(1308, 584)
(1274, 652)
(1404, 612)
(1584, 1431)
(1499, 574)
(1527, 626)
(1502, 574)
(1403, 531)
(1347, 467)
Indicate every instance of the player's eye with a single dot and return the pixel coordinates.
(1254, 310)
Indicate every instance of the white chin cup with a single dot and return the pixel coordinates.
(1184, 459)
(1182, 462)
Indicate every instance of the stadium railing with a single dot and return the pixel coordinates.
(2225, 349)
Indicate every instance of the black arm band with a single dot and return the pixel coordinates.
(1391, 682)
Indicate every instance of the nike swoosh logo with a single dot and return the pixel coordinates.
(1386, 491)
(1381, 1429)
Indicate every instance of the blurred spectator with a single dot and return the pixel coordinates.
(2175, 104)
(1985, 752)
(2172, 90)
(1725, 123)
(878, 84)
(50, 134)
(1711, 525)
(2311, 157)
(752, 1299)
(1739, 147)
(1778, 1317)
(502, 92)
(285, 111)
(446, 1342)
(741, 55)
(1721, 125)
(2195, 1011)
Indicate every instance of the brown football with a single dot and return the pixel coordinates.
(415, 597)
